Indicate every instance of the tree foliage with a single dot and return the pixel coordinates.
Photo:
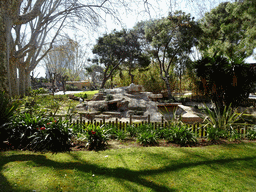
(171, 38)
(224, 81)
(119, 48)
(135, 56)
(229, 30)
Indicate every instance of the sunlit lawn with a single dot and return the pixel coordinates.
(61, 103)
(90, 94)
(212, 168)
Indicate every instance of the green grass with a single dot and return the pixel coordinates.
(90, 94)
(53, 102)
(212, 168)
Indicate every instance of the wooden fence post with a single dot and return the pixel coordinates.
(202, 132)
(81, 116)
(148, 119)
(130, 119)
(104, 120)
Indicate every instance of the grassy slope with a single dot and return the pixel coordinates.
(212, 168)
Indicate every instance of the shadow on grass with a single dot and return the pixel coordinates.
(120, 174)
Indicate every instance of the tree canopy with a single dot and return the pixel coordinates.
(226, 82)
(171, 38)
(229, 30)
(119, 47)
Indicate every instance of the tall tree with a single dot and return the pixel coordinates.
(136, 57)
(41, 21)
(171, 38)
(229, 30)
(65, 60)
(96, 73)
(111, 53)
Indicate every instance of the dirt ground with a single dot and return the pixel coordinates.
(129, 143)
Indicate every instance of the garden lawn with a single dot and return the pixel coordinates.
(89, 94)
(230, 167)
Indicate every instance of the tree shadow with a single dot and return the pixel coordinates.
(121, 174)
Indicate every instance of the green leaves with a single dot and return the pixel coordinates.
(96, 136)
(225, 30)
(224, 81)
(220, 123)
(7, 108)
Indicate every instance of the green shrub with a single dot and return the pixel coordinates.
(71, 88)
(54, 137)
(7, 109)
(165, 133)
(39, 134)
(131, 130)
(178, 133)
(148, 137)
(183, 136)
(121, 135)
(96, 136)
(251, 134)
(214, 134)
(40, 91)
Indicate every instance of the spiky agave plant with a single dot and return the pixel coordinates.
(224, 120)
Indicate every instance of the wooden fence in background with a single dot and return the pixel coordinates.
(198, 129)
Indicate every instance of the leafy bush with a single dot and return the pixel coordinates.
(40, 91)
(7, 109)
(131, 130)
(54, 137)
(213, 134)
(148, 137)
(121, 135)
(251, 134)
(182, 135)
(38, 134)
(165, 133)
(97, 137)
(71, 88)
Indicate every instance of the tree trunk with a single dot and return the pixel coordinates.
(8, 26)
(13, 77)
(27, 81)
(22, 81)
(131, 75)
(168, 87)
(103, 82)
(3, 67)
(111, 79)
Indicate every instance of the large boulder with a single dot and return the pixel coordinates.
(98, 96)
(155, 97)
(132, 88)
(97, 106)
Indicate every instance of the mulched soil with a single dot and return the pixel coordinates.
(129, 143)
